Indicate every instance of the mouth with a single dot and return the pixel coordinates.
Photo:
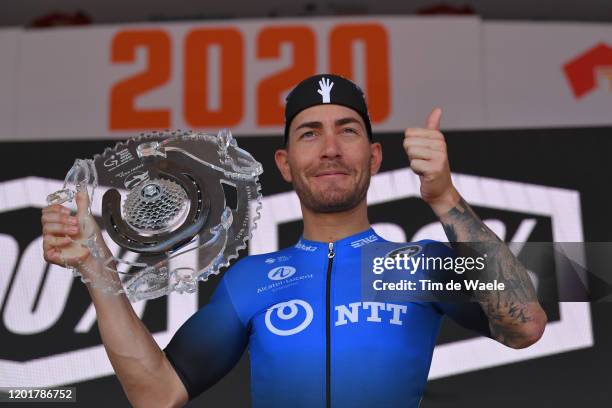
(331, 173)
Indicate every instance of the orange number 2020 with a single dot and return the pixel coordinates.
(199, 111)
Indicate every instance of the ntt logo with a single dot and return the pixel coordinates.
(288, 311)
(281, 272)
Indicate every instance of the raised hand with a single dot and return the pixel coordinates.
(426, 150)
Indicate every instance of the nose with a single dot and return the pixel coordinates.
(331, 147)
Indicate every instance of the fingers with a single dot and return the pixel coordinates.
(59, 218)
(56, 221)
(56, 208)
(419, 153)
(52, 247)
(433, 144)
(52, 241)
(56, 228)
(425, 144)
(433, 121)
(424, 133)
(57, 256)
(60, 229)
(424, 150)
(53, 255)
(420, 167)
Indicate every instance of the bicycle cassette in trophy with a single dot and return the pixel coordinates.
(177, 205)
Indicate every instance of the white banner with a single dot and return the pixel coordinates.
(9, 40)
(117, 81)
(548, 75)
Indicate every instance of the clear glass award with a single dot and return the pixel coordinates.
(176, 204)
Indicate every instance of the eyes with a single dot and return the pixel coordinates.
(350, 130)
(346, 130)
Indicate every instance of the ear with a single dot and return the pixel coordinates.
(280, 157)
(376, 155)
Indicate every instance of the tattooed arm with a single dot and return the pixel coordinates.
(515, 316)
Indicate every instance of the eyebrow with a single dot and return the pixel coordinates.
(339, 122)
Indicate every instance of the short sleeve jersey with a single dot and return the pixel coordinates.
(312, 341)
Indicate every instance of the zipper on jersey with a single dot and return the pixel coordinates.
(330, 261)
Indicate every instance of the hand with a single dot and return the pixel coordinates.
(325, 86)
(64, 236)
(426, 150)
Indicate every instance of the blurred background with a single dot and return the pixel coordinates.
(526, 92)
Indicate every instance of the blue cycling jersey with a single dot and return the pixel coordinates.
(312, 341)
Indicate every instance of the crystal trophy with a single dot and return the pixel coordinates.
(179, 205)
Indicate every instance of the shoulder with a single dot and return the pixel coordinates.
(252, 267)
(244, 280)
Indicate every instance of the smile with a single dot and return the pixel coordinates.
(330, 175)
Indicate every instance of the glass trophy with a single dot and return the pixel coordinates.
(178, 205)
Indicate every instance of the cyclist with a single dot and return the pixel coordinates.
(312, 341)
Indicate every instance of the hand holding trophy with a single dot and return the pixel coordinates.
(178, 205)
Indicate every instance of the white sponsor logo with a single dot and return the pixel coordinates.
(289, 311)
(390, 311)
(325, 86)
(363, 241)
(370, 312)
(285, 283)
(304, 247)
(281, 272)
(281, 258)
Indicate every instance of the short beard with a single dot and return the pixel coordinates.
(334, 201)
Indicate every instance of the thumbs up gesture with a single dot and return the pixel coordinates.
(426, 150)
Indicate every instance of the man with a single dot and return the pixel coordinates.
(312, 342)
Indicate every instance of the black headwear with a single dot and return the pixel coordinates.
(322, 89)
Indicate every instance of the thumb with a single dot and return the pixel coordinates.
(433, 121)
(82, 202)
(87, 225)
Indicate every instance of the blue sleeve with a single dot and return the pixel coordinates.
(467, 314)
(208, 344)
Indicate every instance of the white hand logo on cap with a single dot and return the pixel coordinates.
(325, 86)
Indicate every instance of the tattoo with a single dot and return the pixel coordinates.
(508, 310)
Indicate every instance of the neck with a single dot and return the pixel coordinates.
(330, 227)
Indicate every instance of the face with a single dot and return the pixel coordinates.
(329, 158)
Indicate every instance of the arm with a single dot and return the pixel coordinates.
(145, 373)
(210, 343)
(515, 316)
(147, 377)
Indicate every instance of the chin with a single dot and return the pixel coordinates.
(334, 204)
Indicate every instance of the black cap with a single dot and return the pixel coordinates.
(323, 89)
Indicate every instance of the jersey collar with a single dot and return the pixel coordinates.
(352, 241)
